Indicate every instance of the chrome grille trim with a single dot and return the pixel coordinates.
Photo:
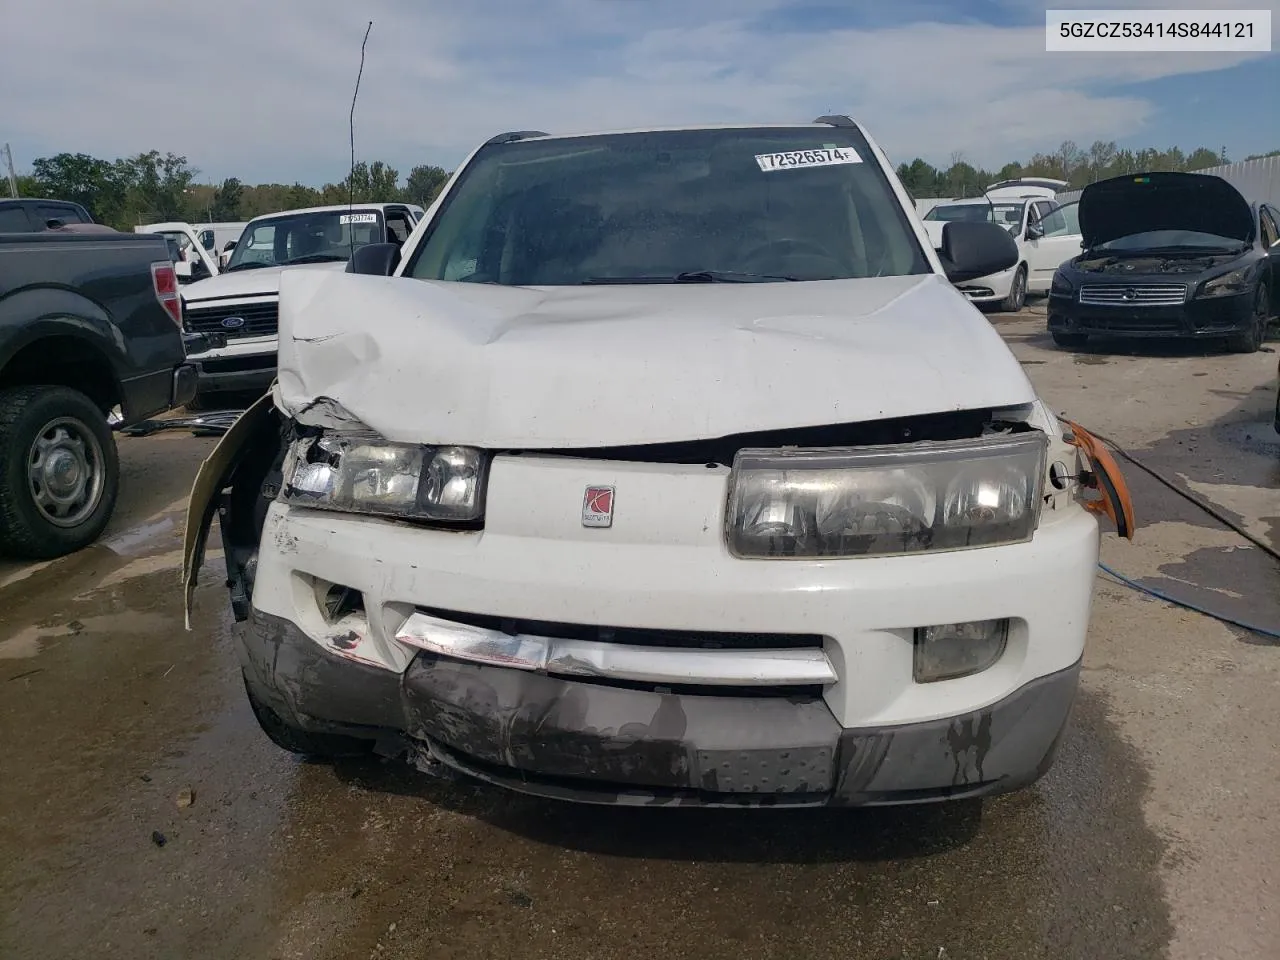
(1126, 295)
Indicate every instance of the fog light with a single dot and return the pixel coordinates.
(952, 650)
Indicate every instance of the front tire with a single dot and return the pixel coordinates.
(59, 472)
(1251, 340)
(1017, 297)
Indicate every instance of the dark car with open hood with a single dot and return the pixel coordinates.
(1169, 255)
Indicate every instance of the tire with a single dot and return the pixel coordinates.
(1017, 297)
(65, 431)
(285, 735)
(1070, 341)
(1251, 340)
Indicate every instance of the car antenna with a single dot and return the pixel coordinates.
(351, 124)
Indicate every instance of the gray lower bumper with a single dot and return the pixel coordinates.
(603, 744)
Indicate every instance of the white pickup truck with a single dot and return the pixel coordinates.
(240, 304)
(1047, 234)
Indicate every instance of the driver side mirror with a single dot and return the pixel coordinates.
(375, 259)
(1035, 231)
(972, 249)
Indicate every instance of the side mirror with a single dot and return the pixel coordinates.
(183, 271)
(54, 224)
(975, 249)
(375, 259)
(1035, 231)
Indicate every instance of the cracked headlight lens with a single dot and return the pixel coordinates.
(879, 501)
(360, 474)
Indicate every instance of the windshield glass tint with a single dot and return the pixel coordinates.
(329, 235)
(808, 204)
(1150, 239)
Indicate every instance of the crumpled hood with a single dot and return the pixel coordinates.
(258, 282)
(1147, 202)
(590, 366)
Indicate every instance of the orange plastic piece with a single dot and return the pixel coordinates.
(1107, 480)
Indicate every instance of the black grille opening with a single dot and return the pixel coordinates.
(238, 364)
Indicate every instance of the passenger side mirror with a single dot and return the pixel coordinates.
(1035, 231)
(183, 271)
(375, 259)
(972, 249)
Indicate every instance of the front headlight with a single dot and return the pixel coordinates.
(877, 501)
(361, 474)
(1061, 284)
(1228, 285)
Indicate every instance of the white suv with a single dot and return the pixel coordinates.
(241, 302)
(1045, 240)
(661, 467)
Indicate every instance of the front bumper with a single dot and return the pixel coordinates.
(245, 365)
(989, 289)
(1215, 317)
(662, 570)
(600, 744)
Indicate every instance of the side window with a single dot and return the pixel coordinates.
(1055, 224)
(398, 225)
(1270, 229)
(14, 220)
(206, 239)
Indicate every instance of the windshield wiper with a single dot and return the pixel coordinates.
(316, 258)
(695, 276)
(247, 265)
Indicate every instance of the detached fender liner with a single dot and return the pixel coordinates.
(595, 743)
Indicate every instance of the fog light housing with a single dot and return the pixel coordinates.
(950, 650)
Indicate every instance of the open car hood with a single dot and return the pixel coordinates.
(608, 365)
(1142, 203)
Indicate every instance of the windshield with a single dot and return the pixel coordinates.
(305, 238)
(762, 204)
(1006, 214)
(1190, 240)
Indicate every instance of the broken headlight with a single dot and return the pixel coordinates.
(881, 501)
(369, 475)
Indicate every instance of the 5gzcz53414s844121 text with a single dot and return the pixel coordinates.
(1138, 31)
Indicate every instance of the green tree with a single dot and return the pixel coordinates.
(157, 185)
(227, 199)
(1203, 157)
(424, 184)
(97, 185)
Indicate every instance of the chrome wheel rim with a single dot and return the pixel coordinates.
(65, 472)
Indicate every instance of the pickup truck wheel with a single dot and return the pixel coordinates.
(59, 472)
(296, 740)
(1251, 340)
(1017, 297)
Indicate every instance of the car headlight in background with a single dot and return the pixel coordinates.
(878, 501)
(1061, 285)
(360, 474)
(1228, 285)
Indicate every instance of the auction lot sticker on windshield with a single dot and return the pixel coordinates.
(358, 218)
(794, 159)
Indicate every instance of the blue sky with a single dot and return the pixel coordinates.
(262, 90)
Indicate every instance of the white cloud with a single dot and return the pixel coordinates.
(262, 90)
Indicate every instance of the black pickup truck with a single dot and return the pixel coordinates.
(90, 338)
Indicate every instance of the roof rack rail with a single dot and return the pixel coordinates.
(836, 120)
(516, 135)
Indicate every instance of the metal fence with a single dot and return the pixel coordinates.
(1255, 179)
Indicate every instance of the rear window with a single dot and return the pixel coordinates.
(47, 212)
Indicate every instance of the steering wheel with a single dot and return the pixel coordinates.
(793, 245)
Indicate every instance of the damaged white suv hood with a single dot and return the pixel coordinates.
(607, 365)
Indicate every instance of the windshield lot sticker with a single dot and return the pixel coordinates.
(358, 218)
(794, 159)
